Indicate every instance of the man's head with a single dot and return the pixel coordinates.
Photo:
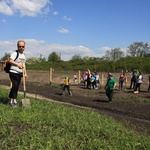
(110, 75)
(21, 45)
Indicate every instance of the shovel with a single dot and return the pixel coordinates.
(25, 101)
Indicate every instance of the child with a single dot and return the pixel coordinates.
(66, 85)
(75, 78)
(93, 81)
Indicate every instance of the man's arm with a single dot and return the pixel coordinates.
(114, 85)
(25, 71)
(11, 61)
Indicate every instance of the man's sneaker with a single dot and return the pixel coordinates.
(14, 104)
(70, 93)
(11, 103)
(63, 94)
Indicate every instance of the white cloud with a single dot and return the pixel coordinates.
(5, 8)
(3, 20)
(105, 48)
(66, 18)
(63, 30)
(24, 7)
(34, 48)
(55, 13)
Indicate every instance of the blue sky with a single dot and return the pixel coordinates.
(71, 27)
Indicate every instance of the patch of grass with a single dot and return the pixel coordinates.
(131, 99)
(51, 126)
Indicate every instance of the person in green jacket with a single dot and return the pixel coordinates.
(109, 87)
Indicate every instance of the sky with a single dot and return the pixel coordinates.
(73, 27)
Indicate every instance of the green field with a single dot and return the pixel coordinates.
(52, 126)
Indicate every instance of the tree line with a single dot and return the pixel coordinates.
(135, 57)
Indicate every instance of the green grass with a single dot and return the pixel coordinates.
(132, 99)
(51, 126)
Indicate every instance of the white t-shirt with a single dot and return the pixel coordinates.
(140, 79)
(97, 77)
(14, 68)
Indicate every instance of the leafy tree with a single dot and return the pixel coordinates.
(7, 55)
(95, 59)
(42, 59)
(114, 54)
(138, 49)
(53, 57)
(86, 58)
(76, 58)
(33, 60)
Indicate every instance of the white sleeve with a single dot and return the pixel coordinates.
(13, 55)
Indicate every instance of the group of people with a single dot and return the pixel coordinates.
(136, 81)
(90, 79)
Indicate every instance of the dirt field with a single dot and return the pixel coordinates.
(131, 109)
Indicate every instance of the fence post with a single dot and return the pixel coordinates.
(102, 81)
(79, 77)
(50, 75)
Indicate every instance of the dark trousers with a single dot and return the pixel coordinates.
(121, 84)
(93, 85)
(138, 87)
(15, 79)
(66, 87)
(88, 83)
(132, 83)
(109, 93)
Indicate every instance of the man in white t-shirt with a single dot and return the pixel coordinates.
(17, 61)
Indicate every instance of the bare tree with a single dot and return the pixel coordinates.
(138, 49)
(114, 54)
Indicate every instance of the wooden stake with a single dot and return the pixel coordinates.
(79, 77)
(50, 75)
(102, 80)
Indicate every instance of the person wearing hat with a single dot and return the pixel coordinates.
(109, 87)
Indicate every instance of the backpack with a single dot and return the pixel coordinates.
(142, 78)
(7, 64)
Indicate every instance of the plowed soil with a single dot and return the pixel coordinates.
(133, 110)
